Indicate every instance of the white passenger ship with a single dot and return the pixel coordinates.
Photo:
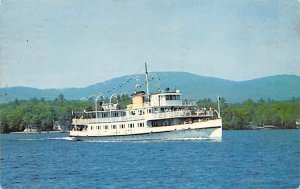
(160, 115)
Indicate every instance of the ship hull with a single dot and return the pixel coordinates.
(186, 134)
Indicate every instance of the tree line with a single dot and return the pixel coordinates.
(15, 116)
(42, 113)
(248, 114)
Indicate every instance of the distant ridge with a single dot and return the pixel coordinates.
(280, 87)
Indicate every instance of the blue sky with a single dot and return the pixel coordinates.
(76, 43)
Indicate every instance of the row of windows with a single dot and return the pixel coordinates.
(113, 114)
(140, 112)
(120, 114)
(140, 124)
(121, 126)
(172, 97)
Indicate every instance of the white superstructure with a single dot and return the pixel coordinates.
(162, 115)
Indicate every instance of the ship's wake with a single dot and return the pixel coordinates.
(55, 138)
(63, 138)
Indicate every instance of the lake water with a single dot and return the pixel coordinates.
(243, 159)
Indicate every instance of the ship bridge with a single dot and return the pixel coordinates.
(166, 99)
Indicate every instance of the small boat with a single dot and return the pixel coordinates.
(161, 115)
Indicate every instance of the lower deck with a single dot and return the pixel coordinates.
(190, 134)
(143, 127)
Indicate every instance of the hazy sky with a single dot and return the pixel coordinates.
(76, 43)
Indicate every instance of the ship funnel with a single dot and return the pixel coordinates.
(138, 99)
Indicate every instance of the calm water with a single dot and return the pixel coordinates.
(244, 159)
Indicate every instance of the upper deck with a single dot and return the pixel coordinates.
(147, 113)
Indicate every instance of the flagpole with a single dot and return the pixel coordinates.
(219, 111)
(147, 82)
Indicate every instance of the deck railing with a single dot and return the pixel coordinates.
(152, 116)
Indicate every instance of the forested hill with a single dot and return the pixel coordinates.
(280, 87)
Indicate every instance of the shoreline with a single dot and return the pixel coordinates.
(36, 132)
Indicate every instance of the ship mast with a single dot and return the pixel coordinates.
(219, 111)
(147, 82)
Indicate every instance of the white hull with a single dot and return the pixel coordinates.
(211, 129)
(208, 133)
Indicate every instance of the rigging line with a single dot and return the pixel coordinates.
(121, 85)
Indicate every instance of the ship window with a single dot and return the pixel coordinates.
(91, 127)
(114, 127)
(106, 127)
(122, 126)
(131, 125)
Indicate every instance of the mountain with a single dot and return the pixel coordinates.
(280, 87)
